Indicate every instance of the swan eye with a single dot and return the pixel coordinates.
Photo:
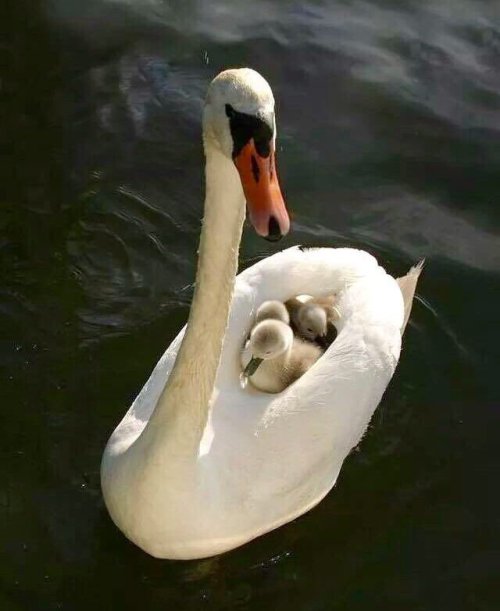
(245, 127)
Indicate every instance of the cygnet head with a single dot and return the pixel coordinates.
(239, 122)
(311, 321)
(272, 309)
(268, 340)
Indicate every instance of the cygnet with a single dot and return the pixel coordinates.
(272, 309)
(273, 357)
(312, 317)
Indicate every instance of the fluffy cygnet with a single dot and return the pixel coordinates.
(272, 309)
(273, 358)
(312, 316)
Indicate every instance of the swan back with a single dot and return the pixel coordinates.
(372, 308)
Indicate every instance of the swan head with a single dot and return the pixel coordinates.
(272, 309)
(238, 120)
(268, 339)
(312, 321)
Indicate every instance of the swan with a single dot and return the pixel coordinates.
(273, 357)
(198, 466)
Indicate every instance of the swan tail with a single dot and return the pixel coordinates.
(408, 284)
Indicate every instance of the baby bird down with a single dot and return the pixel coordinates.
(273, 358)
(272, 309)
(312, 317)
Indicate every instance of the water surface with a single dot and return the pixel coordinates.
(389, 140)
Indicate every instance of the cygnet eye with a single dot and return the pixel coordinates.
(310, 330)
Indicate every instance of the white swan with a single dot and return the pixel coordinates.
(199, 466)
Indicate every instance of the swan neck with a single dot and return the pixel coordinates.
(184, 405)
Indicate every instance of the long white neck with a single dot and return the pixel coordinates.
(183, 407)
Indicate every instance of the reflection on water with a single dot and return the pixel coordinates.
(388, 116)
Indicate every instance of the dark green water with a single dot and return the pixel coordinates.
(389, 134)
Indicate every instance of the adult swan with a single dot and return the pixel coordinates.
(199, 466)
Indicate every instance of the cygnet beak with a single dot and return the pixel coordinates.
(266, 206)
(252, 366)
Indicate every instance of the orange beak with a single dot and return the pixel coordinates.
(266, 207)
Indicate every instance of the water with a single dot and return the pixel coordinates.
(388, 115)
